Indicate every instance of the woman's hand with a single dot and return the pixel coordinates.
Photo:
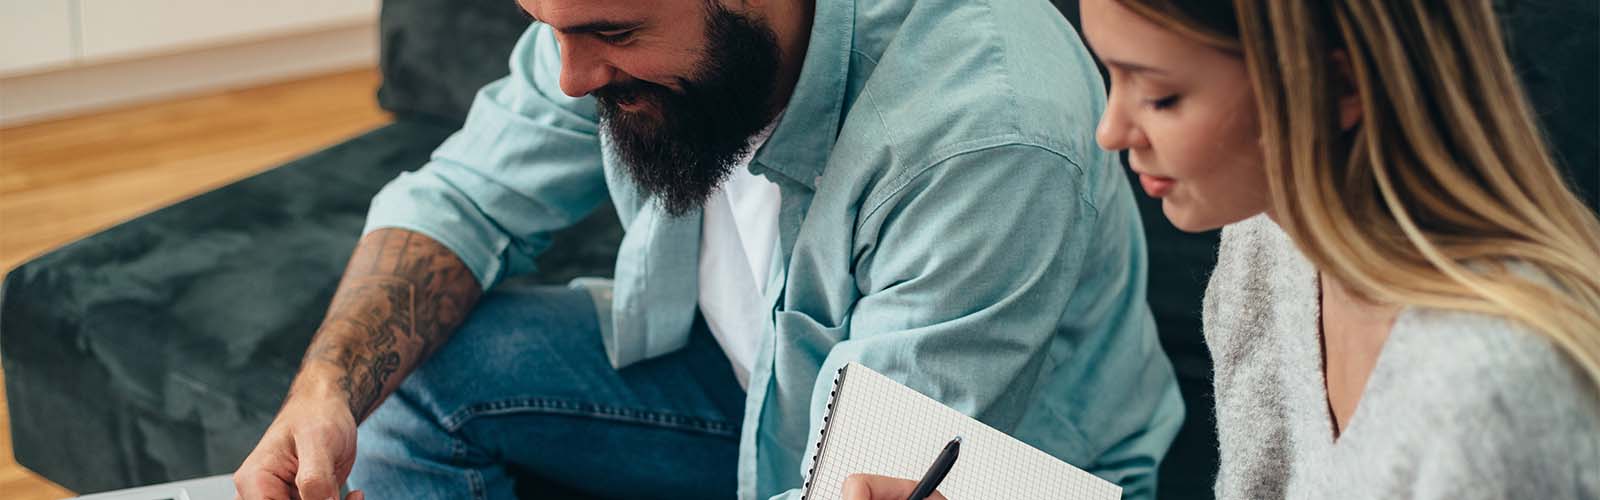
(870, 487)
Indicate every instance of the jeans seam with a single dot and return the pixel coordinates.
(458, 452)
(550, 406)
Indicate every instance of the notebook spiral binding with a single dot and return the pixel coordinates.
(833, 397)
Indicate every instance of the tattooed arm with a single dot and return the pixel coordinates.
(401, 297)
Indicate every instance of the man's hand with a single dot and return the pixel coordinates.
(306, 453)
(870, 487)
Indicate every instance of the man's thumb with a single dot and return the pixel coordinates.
(314, 476)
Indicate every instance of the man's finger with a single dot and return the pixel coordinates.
(255, 484)
(356, 495)
(314, 478)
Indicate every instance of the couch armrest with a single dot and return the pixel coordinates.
(160, 349)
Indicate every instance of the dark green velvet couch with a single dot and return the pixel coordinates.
(161, 348)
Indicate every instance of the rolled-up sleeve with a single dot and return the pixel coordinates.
(526, 163)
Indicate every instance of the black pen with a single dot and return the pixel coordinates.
(941, 466)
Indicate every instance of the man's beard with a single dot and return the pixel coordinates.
(681, 149)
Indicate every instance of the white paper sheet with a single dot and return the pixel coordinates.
(878, 426)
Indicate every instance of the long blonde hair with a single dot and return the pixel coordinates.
(1444, 180)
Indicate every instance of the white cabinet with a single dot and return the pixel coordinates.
(45, 34)
(121, 28)
(35, 34)
(62, 57)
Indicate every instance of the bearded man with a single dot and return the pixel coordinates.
(911, 185)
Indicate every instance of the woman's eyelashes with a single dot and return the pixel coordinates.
(1163, 103)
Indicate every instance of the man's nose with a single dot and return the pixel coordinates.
(583, 70)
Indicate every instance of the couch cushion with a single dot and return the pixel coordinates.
(437, 53)
(163, 346)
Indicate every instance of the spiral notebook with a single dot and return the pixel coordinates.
(875, 425)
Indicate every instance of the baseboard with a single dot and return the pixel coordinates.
(80, 89)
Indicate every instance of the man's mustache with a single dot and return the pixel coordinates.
(632, 91)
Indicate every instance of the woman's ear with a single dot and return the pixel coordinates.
(1349, 103)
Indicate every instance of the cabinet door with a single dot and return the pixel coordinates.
(120, 28)
(34, 33)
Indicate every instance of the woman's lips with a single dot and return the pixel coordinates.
(1156, 186)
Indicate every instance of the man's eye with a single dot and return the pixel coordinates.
(614, 37)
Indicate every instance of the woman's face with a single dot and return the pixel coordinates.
(1186, 114)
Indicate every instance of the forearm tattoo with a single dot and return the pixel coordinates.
(402, 295)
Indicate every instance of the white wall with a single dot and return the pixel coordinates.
(35, 34)
(63, 57)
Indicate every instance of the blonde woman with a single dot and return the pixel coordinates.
(1407, 299)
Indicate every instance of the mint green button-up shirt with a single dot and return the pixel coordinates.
(946, 220)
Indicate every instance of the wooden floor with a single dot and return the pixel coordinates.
(66, 179)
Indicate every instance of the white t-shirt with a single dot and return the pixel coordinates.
(737, 235)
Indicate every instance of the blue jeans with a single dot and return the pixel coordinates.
(523, 393)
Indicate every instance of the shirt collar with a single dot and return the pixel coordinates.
(800, 145)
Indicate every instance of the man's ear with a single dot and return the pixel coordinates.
(1349, 103)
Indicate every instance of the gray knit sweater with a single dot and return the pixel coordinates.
(1459, 406)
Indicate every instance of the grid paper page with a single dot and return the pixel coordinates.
(878, 426)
